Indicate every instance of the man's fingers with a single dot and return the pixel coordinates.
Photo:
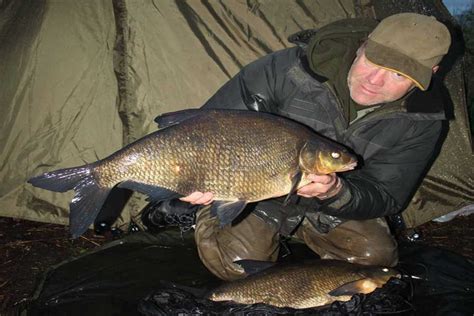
(304, 195)
(321, 186)
(205, 199)
(322, 179)
(199, 198)
(311, 189)
(192, 197)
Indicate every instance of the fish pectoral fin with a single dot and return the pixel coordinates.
(295, 180)
(227, 211)
(254, 266)
(154, 193)
(172, 118)
(363, 286)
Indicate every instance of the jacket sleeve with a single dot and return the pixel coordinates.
(246, 90)
(256, 86)
(384, 185)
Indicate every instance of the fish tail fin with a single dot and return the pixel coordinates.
(88, 199)
(61, 180)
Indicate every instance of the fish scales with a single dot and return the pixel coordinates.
(189, 157)
(239, 156)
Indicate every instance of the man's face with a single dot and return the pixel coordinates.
(370, 84)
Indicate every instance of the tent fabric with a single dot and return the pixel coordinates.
(57, 98)
(82, 79)
(449, 185)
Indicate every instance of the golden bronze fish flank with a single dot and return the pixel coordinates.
(305, 285)
(240, 156)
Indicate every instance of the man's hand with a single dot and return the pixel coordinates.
(321, 186)
(199, 198)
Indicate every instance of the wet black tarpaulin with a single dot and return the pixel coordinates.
(144, 274)
(113, 279)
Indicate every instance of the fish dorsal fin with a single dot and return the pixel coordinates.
(172, 118)
(254, 266)
(363, 286)
(295, 180)
(227, 211)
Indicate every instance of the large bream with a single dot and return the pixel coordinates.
(240, 156)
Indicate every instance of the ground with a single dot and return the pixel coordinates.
(29, 248)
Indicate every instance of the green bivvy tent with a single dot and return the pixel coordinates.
(81, 79)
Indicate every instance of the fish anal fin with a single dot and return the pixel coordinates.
(363, 286)
(295, 180)
(227, 211)
(154, 193)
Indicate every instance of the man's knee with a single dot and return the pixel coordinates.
(385, 246)
(218, 247)
(365, 242)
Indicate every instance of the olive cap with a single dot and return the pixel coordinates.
(410, 44)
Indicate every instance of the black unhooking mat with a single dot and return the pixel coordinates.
(161, 274)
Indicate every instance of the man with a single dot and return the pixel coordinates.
(366, 86)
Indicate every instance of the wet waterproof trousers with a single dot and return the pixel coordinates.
(366, 242)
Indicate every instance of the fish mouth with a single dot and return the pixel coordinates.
(350, 166)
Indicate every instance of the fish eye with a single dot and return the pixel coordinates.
(335, 155)
(385, 270)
